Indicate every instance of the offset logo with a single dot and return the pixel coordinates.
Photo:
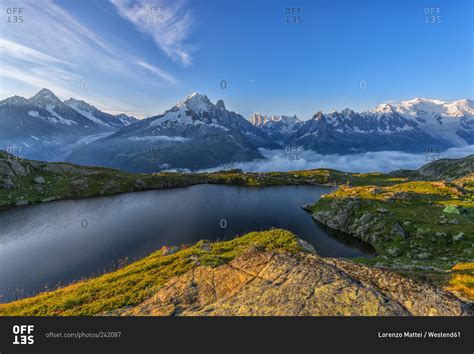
(23, 334)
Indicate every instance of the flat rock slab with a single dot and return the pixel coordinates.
(304, 284)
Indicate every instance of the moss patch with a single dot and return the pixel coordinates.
(405, 223)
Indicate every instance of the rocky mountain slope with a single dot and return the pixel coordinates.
(261, 273)
(198, 134)
(44, 127)
(443, 169)
(193, 134)
(92, 113)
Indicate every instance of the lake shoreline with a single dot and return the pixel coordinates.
(83, 237)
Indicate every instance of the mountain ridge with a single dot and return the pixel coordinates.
(196, 133)
(406, 126)
(45, 127)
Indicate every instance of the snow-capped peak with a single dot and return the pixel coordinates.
(45, 97)
(460, 107)
(14, 101)
(196, 102)
(79, 104)
(431, 107)
(72, 102)
(86, 110)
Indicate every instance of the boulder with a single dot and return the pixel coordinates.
(458, 237)
(39, 180)
(394, 251)
(424, 255)
(167, 250)
(80, 183)
(398, 229)
(140, 184)
(18, 169)
(7, 183)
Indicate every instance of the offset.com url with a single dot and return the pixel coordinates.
(81, 335)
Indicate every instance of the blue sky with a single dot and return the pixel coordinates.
(140, 57)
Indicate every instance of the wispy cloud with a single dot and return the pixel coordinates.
(41, 77)
(52, 49)
(168, 23)
(25, 53)
(161, 73)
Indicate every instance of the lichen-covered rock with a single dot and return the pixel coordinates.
(304, 284)
(394, 251)
(140, 184)
(18, 168)
(110, 186)
(80, 183)
(39, 180)
(6, 183)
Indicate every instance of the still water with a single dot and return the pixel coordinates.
(56, 243)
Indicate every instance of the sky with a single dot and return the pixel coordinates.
(141, 57)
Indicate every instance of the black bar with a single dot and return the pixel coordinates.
(246, 335)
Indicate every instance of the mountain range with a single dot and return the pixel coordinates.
(196, 133)
(410, 126)
(46, 128)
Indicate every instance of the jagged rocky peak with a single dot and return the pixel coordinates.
(258, 119)
(45, 97)
(220, 104)
(319, 115)
(347, 112)
(196, 102)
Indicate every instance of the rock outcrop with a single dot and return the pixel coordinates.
(443, 169)
(262, 283)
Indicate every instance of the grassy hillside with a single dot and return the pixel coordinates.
(135, 283)
(406, 224)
